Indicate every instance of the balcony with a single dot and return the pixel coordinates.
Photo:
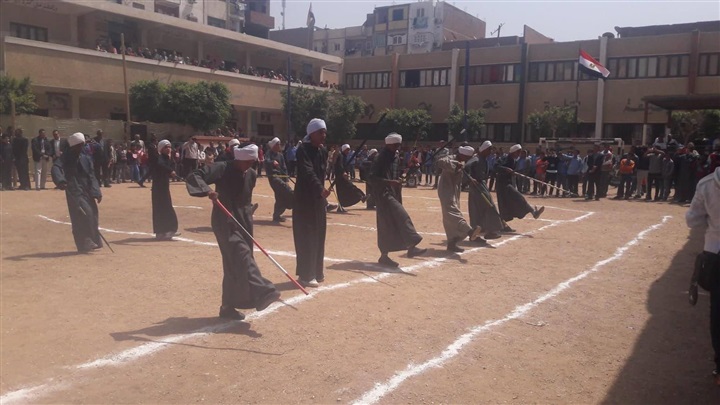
(257, 18)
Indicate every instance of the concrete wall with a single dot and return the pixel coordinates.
(462, 24)
(531, 36)
(60, 27)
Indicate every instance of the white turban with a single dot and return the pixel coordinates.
(372, 152)
(344, 147)
(274, 142)
(249, 152)
(466, 150)
(76, 139)
(162, 144)
(515, 148)
(393, 139)
(484, 146)
(233, 142)
(314, 125)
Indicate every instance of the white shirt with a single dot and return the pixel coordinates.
(705, 210)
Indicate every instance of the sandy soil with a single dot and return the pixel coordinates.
(141, 326)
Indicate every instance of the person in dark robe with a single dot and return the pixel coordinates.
(165, 222)
(20, 146)
(395, 229)
(483, 212)
(6, 162)
(511, 203)
(366, 166)
(347, 194)
(74, 173)
(274, 167)
(243, 286)
(310, 209)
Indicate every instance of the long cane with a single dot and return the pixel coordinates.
(230, 215)
(547, 184)
(101, 235)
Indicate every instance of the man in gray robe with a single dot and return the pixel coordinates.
(482, 210)
(449, 185)
(275, 167)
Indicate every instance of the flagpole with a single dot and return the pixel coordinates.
(466, 88)
(289, 100)
(577, 95)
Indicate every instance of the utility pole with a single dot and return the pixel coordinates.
(127, 95)
(498, 30)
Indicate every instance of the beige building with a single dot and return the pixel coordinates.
(54, 43)
(510, 79)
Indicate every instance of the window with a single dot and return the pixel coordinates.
(398, 15)
(216, 22)
(379, 40)
(420, 12)
(337, 47)
(709, 64)
(373, 80)
(29, 32)
(650, 66)
(396, 39)
(491, 74)
(138, 6)
(424, 78)
(265, 130)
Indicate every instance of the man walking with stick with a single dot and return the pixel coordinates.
(243, 285)
(274, 167)
(482, 211)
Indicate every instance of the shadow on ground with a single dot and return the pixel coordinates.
(672, 359)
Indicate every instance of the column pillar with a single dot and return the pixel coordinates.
(600, 91)
(453, 76)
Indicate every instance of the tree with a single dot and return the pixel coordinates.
(342, 116)
(687, 125)
(412, 124)
(553, 122)
(203, 105)
(475, 122)
(18, 90)
(340, 112)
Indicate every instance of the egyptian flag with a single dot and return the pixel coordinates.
(592, 67)
(311, 17)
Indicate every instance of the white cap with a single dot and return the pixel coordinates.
(162, 144)
(372, 152)
(515, 148)
(344, 147)
(393, 138)
(466, 150)
(233, 142)
(249, 152)
(274, 142)
(76, 139)
(314, 125)
(484, 146)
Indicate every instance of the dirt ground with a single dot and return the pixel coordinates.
(509, 324)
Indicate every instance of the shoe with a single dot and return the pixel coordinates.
(231, 313)
(453, 247)
(107, 185)
(255, 207)
(267, 300)
(279, 219)
(415, 251)
(341, 209)
(492, 235)
(387, 261)
(475, 233)
(536, 214)
(331, 207)
(140, 184)
(507, 229)
(312, 283)
(363, 199)
(320, 280)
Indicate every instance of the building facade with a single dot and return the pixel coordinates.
(70, 49)
(510, 79)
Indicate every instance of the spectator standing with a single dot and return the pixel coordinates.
(132, 162)
(654, 179)
(594, 162)
(190, 154)
(20, 147)
(122, 164)
(642, 170)
(101, 159)
(668, 173)
(626, 169)
(290, 153)
(6, 162)
(574, 170)
(41, 152)
(56, 149)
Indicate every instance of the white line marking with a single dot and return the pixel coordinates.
(190, 207)
(187, 240)
(136, 353)
(382, 389)
(364, 228)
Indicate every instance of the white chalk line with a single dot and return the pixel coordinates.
(364, 228)
(187, 240)
(382, 389)
(136, 353)
(190, 207)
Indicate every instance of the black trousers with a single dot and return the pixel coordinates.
(715, 317)
(102, 172)
(573, 181)
(593, 186)
(189, 166)
(23, 167)
(654, 180)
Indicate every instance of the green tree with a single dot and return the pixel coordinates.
(475, 122)
(305, 104)
(203, 105)
(411, 124)
(342, 116)
(18, 90)
(695, 124)
(553, 122)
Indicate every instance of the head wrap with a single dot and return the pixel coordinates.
(344, 147)
(314, 125)
(372, 152)
(393, 138)
(466, 150)
(484, 146)
(76, 139)
(515, 148)
(249, 152)
(162, 144)
(274, 142)
(233, 142)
